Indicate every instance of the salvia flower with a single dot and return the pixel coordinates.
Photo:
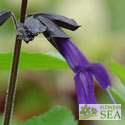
(85, 71)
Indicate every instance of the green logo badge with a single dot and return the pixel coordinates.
(87, 112)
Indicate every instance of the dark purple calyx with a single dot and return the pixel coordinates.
(4, 16)
(48, 24)
(61, 21)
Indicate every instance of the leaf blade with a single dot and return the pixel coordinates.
(33, 61)
(56, 116)
(118, 96)
(118, 70)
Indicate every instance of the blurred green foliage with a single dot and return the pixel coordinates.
(116, 12)
(56, 116)
(30, 61)
(120, 99)
(118, 70)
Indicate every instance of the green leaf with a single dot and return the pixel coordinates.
(56, 116)
(33, 61)
(118, 70)
(120, 99)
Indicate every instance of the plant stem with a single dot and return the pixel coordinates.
(12, 84)
(111, 96)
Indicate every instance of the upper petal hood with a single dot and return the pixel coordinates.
(62, 21)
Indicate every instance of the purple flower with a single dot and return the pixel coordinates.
(85, 72)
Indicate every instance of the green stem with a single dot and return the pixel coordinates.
(111, 96)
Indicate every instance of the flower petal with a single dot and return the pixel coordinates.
(100, 74)
(84, 88)
(71, 53)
